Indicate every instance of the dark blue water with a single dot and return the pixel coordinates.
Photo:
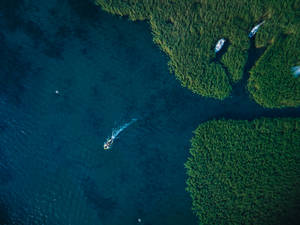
(53, 169)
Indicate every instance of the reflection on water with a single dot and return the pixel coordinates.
(53, 167)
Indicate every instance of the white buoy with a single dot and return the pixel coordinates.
(139, 220)
(57, 92)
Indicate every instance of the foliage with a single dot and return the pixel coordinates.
(271, 82)
(242, 172)
(188, 31)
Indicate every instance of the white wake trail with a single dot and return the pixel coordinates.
(115, 133)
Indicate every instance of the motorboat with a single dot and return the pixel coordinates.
(255, 29)
(219, 45)
(107, 145)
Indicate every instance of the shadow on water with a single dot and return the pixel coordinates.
(107, 71)
(253, 55)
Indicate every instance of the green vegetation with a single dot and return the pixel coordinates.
(243, 172)
(271, 82)
(188, 31)
(240, 172)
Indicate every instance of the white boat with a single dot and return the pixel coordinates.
(108, 143)
(255, 29)
(219, 45)
(296, 71)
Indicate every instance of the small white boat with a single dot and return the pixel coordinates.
(296, 71)
(219, 45)
(255, 29)
(107, 145)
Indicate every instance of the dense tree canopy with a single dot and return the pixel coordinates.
(271, 81)
(188, 31)
(242, 172)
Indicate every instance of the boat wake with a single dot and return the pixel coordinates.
(115, 133)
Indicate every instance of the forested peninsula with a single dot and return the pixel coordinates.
(187, 31)
(243, 172)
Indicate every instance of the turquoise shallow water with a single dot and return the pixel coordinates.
(53, 169)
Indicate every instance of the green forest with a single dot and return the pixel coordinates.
(242, 172)
(272, 85)
(187, 31)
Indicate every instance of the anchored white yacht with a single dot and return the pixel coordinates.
(219, 45)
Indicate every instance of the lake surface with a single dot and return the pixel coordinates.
(53, 169)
